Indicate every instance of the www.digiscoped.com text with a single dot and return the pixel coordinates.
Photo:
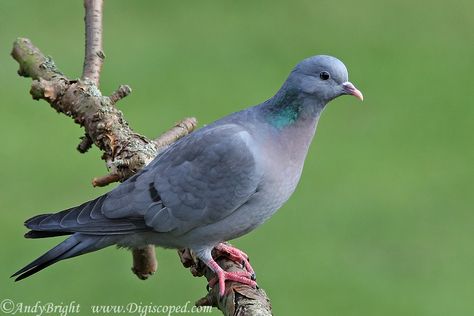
(39, 308)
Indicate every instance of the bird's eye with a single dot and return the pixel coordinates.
(324, 75)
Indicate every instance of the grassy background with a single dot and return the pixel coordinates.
(382, 221)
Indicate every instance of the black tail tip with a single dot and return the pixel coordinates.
(15, 275)
(32, 234)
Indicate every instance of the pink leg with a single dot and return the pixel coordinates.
(236, 255)
(223, 276)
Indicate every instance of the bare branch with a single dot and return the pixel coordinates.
(180, 129)
(120, 93)
(125, 151)
(105, 180)
(94, 54)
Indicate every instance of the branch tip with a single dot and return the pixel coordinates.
(85, 144)
(144, 262)
(206, 301)
(120, 93)
(105, 180)
(32, 62)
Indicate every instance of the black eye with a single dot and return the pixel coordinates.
(324, 75)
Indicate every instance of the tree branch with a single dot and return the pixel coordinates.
(182, 128)
(124, 150)
(94, 54)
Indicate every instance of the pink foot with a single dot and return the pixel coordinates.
(222, 276)
(244, 274)
(238, 256)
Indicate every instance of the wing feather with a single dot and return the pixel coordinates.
(196, 181)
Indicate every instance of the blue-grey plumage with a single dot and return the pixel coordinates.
(211, 186)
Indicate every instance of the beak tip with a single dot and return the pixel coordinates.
(349, 88)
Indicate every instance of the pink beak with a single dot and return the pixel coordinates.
(349, 88)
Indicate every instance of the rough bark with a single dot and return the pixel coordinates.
(124, 151)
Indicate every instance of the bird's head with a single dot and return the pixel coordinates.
(323, 78)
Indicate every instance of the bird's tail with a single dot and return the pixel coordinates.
(75, 245)
(89, 228)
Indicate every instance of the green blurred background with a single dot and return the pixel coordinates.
(382, 221)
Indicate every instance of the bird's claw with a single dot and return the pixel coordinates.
(253, 277)
(236, 255)
(242, 277)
